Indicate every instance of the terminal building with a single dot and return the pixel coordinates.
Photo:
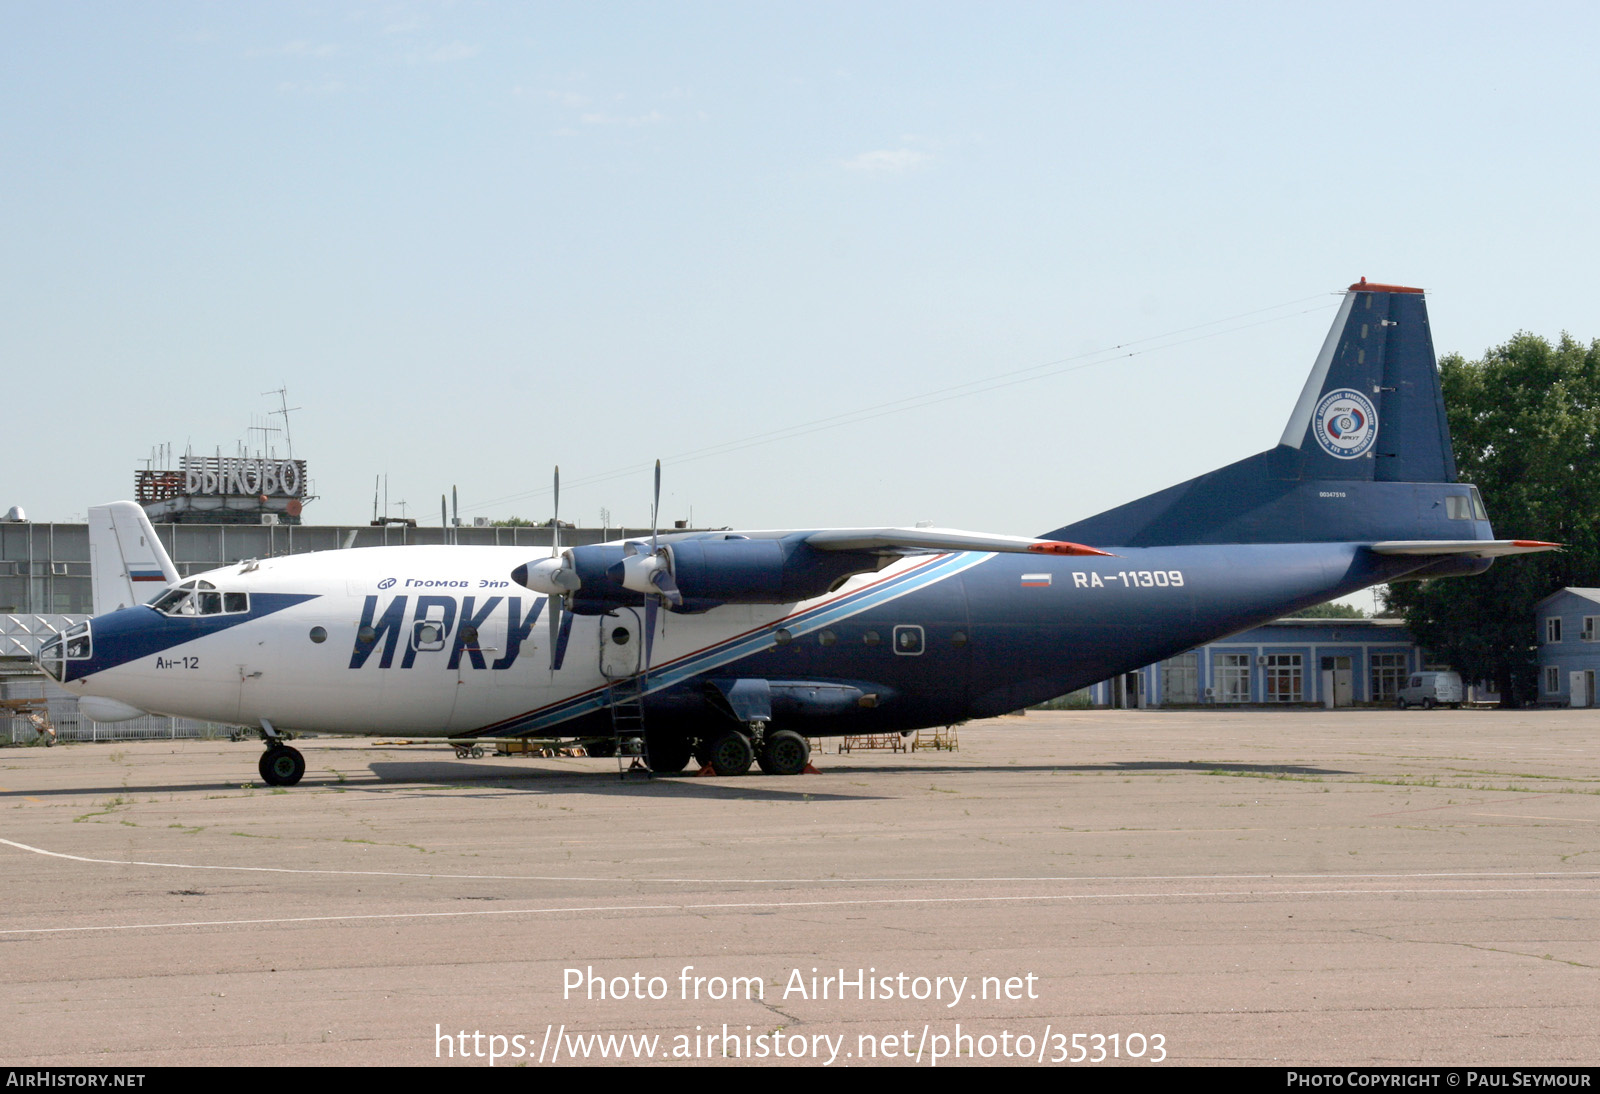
(1323, 662)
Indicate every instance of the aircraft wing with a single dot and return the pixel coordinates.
(1467, 548)
(895, 540)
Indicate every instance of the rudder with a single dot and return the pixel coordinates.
(127, 564)
(1372, 409)
(1366, 454)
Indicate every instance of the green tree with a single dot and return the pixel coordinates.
(1525, 422)
(1330, 610)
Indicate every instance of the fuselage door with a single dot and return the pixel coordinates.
(621, 648)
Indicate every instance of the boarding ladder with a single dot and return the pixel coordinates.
(625, 696)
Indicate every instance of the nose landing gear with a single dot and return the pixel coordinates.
(280, 765)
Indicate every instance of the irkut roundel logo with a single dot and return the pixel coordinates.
(1346, 424)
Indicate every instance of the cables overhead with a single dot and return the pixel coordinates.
(1059, 366)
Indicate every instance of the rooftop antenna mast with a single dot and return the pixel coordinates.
(284, 408)
(263, 430)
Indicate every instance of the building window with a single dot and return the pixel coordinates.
(1388, 673)
(1588, 633)
(1180, 678)
(1283, 678)
(1552, 680)
(1552, 628)
(1233, 678)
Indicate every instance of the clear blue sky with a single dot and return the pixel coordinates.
(479, 239)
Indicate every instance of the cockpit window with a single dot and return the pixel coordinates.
(198, 597)
(169, 601)
(74, 644)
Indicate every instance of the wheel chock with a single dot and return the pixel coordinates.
(809, 770)
(704, 771)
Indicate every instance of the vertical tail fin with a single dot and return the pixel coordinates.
(127, 564)
(1371, 409)
(1366, 454)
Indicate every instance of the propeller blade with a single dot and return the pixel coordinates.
(559, 650)
(649, 630)
(662, 579)
(553, 610)
(655, 509)
(555, 518)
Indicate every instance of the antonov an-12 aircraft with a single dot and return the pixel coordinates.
(735, 647)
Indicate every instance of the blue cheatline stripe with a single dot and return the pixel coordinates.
(141, 631)
(750, 642)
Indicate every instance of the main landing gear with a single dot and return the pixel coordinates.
(778, 752)
(280, 765)
(784, 753)
(731, 753)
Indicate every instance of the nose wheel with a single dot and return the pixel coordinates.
(281, 765)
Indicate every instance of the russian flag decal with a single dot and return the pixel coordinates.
(1035, 580)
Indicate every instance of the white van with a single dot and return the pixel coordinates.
(1431, 689)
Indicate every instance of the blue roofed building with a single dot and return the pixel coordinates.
(1287, 661)
(1568, 626)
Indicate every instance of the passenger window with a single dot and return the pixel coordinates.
(908, 640)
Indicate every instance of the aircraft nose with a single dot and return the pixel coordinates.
(56, 655)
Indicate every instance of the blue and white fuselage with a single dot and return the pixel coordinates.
(739, 645)
(439, 641)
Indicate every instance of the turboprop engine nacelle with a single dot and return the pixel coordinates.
(706, 572)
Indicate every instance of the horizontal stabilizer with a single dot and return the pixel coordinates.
(939, 539)
(1466, 548)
